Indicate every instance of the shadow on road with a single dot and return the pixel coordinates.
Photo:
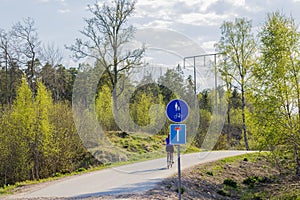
(148, 170)
(133, 188)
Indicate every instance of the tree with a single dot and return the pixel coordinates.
(172, 84)
(238, 46)
(106, 34)
(277, 86)
(5, 58)
(27, 46)
(42, 140)
(52, 57)
(51, 54)
(224, 69)
(69, 151)
(11, 72)
(22, 133)
(6, 146)
(205, 100)
(103, 106)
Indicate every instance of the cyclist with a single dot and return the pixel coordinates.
(170, 152)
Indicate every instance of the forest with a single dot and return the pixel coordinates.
(38, 136)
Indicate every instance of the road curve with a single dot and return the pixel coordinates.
(132, 178)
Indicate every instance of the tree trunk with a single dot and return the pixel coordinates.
(5, 176)
(228, 119)
(6, 78)
(114, 95)
(244, 119)
(228, 125)
(297, 161)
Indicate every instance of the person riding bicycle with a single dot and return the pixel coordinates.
(169, 150)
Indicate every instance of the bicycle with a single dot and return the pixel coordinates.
(169, 159)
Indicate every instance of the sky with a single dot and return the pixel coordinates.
(186, 21)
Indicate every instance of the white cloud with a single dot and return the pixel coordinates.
(158, 24)
(63, 11)
(208, 46)
(202, 4)
(237, 3)
(208, 19)
(155, 3)
(159, 9)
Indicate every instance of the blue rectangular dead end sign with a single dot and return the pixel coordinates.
(177, 134)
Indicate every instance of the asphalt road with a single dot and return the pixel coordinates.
(133, 178)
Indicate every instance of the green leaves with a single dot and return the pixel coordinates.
(237, 46)
(37, 138)
(277, 77)
(104, 108)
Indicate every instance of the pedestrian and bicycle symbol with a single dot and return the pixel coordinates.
(177, 110)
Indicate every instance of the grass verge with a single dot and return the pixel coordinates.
(249, 176)
(137, 147)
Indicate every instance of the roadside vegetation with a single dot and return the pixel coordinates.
(138, 147)
(249, 176)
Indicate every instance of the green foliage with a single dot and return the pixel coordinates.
(224, 193)
(238, 46)
(168, 85)
(142, 110)
(138, 144)
(59, 80)
(182, 190)
(104, 108)
(230, 182)
(205, 119)
(210, 173)
(22, 121)
(81, 169)
(205, 100)
(253, 180)
(38, 138)
(253, 196)
(277, 104)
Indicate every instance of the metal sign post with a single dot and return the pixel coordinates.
(179, 173)
(177, 111)
(178, 137)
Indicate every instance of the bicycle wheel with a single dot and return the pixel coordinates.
(168, 160)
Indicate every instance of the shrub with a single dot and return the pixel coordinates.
(182, 190)
(230, 182)
(223, 193)
(81, 169)
(210, 173)
(57, 174)
(256, 179)
(252, 180)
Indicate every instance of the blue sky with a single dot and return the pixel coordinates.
(59, 21)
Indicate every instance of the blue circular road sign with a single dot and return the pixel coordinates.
(177, 110)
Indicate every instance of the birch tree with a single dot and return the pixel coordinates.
(278, 89)
(237, 44)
